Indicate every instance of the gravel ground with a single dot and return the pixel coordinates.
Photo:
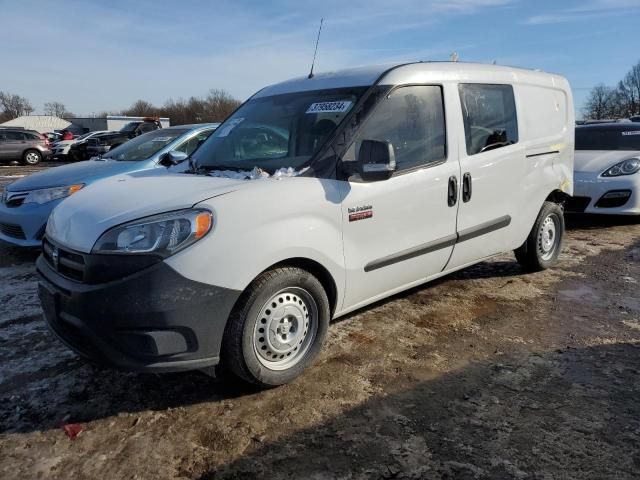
(488, 373)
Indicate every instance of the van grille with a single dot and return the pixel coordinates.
(68, 264)
(11, 230)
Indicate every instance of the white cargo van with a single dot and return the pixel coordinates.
(317, 197)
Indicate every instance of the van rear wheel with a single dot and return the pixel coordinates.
(278, 327)
(544, 243)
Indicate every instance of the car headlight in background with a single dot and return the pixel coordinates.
(45, 195)
(627, 167)
(163, 234)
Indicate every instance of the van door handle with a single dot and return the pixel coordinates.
(466, 187)
(452, 191)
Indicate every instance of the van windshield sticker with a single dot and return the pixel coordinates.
(631, 132)
(329, 107)
(227, 128)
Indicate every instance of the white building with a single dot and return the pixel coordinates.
(47, 123)
(39, 123)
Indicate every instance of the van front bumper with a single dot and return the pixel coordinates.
(154, 320)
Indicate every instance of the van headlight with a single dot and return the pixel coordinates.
(45, 195)
(627, 167)
(163, 234)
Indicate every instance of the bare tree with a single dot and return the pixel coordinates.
(13, 106)
(631, 84)
(620, 102)
(214, 107)
(141, 108)
(600, 102)
(55, 109)
(219, 105)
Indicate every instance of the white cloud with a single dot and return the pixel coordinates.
(587, 11)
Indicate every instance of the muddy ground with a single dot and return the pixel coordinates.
(488, 373)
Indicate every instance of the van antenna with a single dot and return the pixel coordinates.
(316, 50)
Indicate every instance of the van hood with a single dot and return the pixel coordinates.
(597, 161)
(80, 219)
(82, 172)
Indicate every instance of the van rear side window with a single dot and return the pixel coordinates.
(490, 119)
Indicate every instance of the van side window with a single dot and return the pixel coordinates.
(412, 119)
(489, 113)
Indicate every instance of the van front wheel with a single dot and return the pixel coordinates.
(542, 247)
(278, 327)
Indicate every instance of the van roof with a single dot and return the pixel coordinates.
(411, 72)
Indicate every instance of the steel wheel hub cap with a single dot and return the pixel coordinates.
(286, 328)
(547, 238)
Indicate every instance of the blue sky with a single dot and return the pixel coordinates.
(99, 55)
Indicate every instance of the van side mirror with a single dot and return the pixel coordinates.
(376, 160)
(170, 159)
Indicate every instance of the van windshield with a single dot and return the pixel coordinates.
(145, 146)
(278, 131)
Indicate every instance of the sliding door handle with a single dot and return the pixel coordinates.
(452, 191)
(466, 187)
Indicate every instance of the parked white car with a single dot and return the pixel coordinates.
(61, 147)
(607, 166)
(318, 196)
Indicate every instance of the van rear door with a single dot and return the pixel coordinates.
(492, 165)
(401, 230)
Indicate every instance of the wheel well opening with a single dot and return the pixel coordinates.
(318, 271)
(559, 197)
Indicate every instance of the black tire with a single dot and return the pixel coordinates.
(544, 243)
(252, 315)
(31, 157)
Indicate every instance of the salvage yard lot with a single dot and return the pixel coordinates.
(488, 373)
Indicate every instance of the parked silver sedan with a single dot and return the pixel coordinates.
(606, 170)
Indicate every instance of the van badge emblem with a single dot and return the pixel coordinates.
(360, 213)
(55, 257)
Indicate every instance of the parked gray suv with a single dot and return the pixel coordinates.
(27, 146)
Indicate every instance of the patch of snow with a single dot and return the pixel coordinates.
(256, 173)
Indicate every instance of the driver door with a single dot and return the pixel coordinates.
(398, 231)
